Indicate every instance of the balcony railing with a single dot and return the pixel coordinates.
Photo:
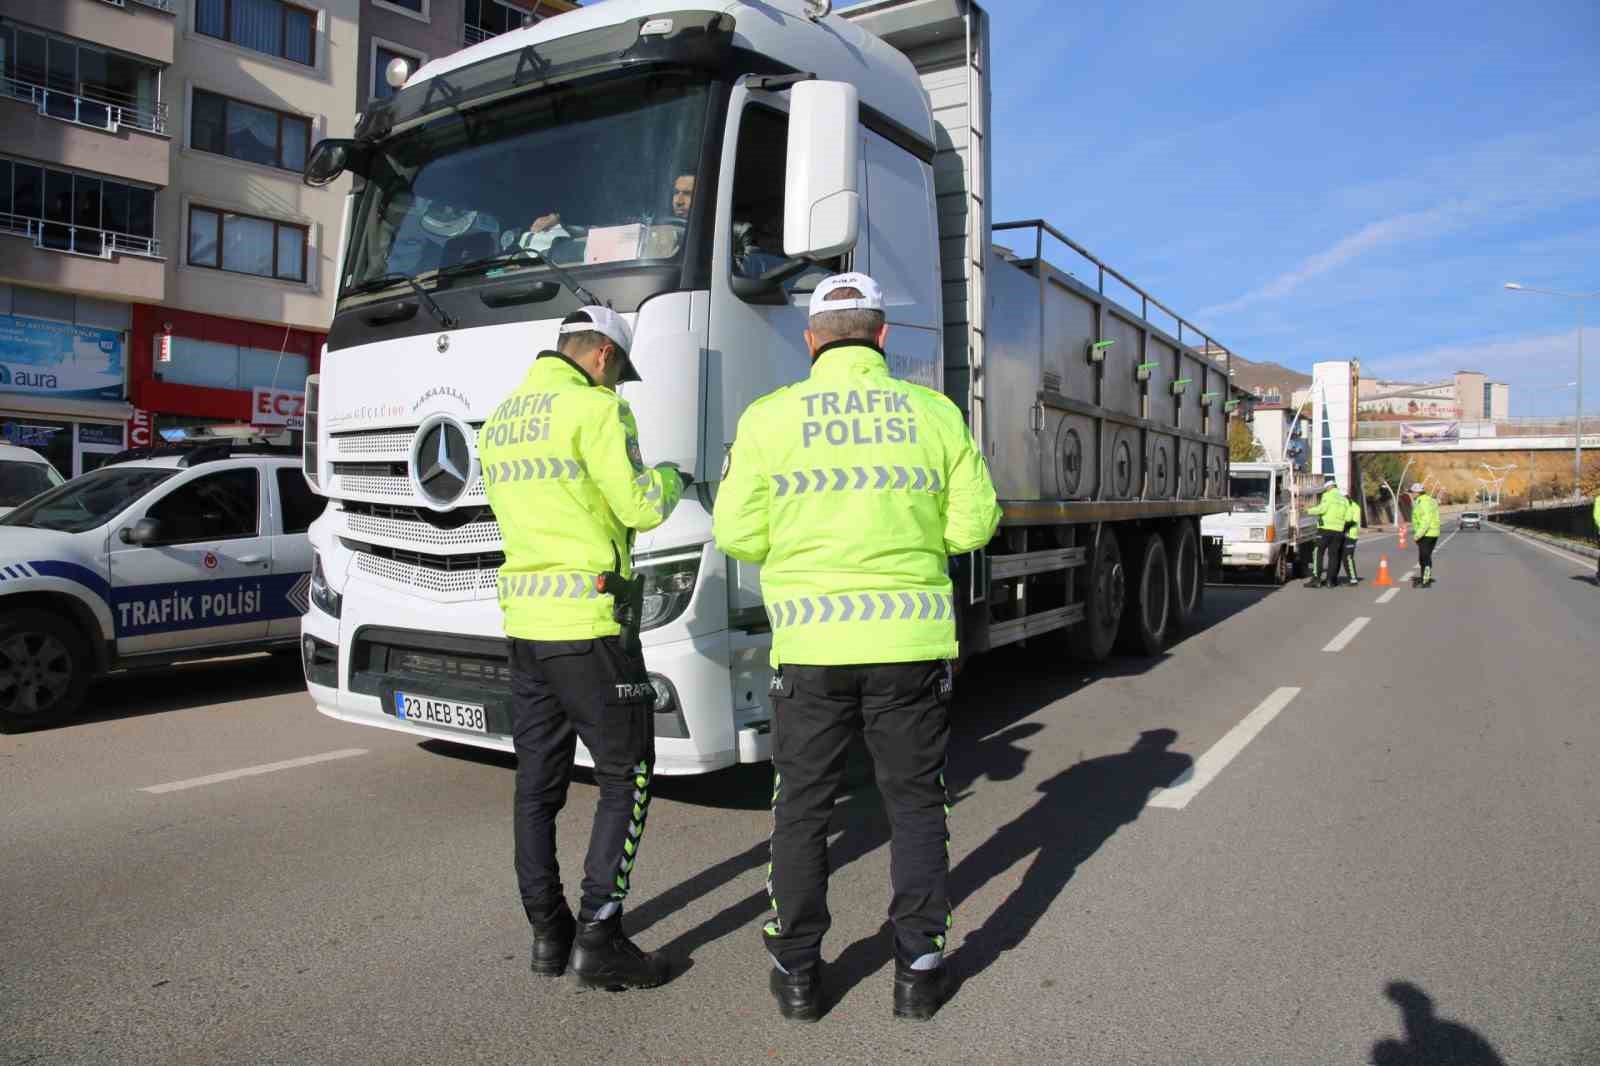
(99, 109)
(476, 34)
(78, 240)
(169, 6)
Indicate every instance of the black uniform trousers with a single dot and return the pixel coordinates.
(902, 711)
(1425, 554)
(561, 691)
(1332, 553)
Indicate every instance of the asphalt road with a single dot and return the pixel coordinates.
(1251, 850)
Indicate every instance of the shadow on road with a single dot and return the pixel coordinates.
(1430, 1040)
(1587, 579)
(134, 693)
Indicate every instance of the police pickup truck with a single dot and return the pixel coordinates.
(162, 554)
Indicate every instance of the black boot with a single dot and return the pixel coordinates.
(799, 992)
(552, 942)
(918, 994)
(603, 958)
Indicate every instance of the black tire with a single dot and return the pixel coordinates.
(1302, 567)
(1149, 612)
(1188, 578)
(44, 670)
(1105, 592)
(1280, 569)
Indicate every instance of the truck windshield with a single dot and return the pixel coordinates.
(88, 501)
(583, 174)
(1249, 494)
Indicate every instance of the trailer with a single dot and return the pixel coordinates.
(1102, 412)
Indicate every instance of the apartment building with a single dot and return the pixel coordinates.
(161, 262)
(420, 30)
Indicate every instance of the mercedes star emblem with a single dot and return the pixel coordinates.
(441, 462)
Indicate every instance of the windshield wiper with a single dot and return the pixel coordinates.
(503, 258)
(383, 281)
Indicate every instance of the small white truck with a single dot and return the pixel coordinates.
(1266, 526)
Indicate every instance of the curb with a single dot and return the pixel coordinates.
(1576, 547)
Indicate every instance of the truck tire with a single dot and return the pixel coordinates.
(1302, 567)
(1280, 568)
(44, 670)
(1149, 612)
(1188, 577)
(1105, 592)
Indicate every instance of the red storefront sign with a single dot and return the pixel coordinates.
(150, 393)
(278, 407)
(139, 435)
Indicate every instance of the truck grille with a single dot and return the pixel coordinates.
(463, 527)
(385, 481)
(380, 442)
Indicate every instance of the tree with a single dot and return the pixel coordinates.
(1381, 471)
(1242, 444)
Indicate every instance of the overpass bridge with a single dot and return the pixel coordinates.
(1497, 435)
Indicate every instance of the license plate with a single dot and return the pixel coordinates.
(426, 710)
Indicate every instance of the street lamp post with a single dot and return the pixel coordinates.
(1577, 437)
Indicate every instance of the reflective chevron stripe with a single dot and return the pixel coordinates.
(862, 607)
(544, 468)
(549, 586)
(856, 478)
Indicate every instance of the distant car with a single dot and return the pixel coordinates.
(24, 473)
(1471, 520)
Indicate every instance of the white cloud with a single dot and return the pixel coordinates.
(1529, 363)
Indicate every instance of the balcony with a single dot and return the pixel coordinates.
(100, 109)
(144, 28)
(84, 258)
(471, 35)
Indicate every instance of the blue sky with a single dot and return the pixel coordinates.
(1317, 180)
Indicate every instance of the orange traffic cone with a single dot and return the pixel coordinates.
(1384, 579)
(1402, 535)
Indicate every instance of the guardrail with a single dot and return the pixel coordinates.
(97, 109)
(78, 240)
(1520, 426)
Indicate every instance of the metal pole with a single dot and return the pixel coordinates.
(1577, 439)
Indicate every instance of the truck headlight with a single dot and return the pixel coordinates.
(1258, 533)
(323, 598)
(668, 587)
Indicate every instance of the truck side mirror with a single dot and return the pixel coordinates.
(331, 158)
(822, 203)
(144, 532)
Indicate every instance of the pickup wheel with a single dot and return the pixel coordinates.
(1149, 612)
(1188, 580)
(1105, 594)
(44, 670)
(1280, 568)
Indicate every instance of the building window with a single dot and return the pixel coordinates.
(268, 26)
(244, 244)
(244, 131)
(218, 365)
(418, 7)
(72, 212)
(81, 83)
(382, 56)
(490, 18)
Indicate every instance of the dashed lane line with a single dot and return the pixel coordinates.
(1346, 635)
(252, 771)
(1387, 596)
(1177, 795)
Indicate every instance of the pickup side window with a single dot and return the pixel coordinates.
(299, 505)
(218, 506)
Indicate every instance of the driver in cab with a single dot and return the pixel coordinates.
(660, 241)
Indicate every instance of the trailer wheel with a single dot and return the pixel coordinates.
(1188, 578)
(44, 670)
(1149, 613)
(1104, 596)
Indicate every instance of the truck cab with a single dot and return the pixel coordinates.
(1266, 527)
(162, 554)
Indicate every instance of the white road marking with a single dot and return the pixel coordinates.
(1387, 596)
(1177, 795)
(1346, 635)
(1542, 546)
(252, 771)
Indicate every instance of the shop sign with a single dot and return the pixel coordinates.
(55, 359)
(277, 407)
(139, 429)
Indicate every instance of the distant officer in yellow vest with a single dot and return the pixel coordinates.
(561, 464)
(1352, 534)
(850, 489)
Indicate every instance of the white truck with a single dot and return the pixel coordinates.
(705, 166)
(1266, 526)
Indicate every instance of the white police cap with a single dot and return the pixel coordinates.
(871, 298)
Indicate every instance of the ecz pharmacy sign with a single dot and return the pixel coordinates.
(277, 407)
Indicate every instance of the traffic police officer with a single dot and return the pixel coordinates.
(1597, 536)
(1330, 512)
(1352, 533)
(561, 464)
(850, 489)
(1425, 524)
